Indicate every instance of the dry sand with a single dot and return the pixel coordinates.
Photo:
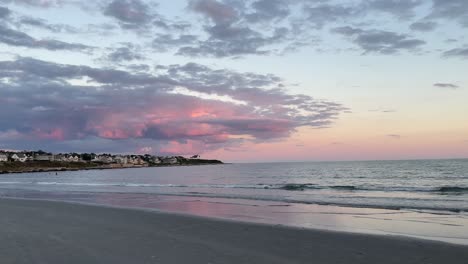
(57, 233)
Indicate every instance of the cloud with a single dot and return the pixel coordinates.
(218, 12)
(4, 12)
(20, 39)
(319, 15)
(43, 24)
(446, 85)
(458, 52)
(19, 21)
(127, 53)
(383, 110)
(227, 41)
(403, 9)
(234, 28)
(165, 42)
(378, 41)
(130, 13)
(237, 28)
(171, 25)
(59, 105)
(394, 136)
(423, 26)
(268, 10)
(450, 10)
(36, 3)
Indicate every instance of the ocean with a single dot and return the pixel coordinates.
(427, 188)
(416, 184)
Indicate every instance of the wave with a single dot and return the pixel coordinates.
(295, 187)
(427, 207)
(302, 187)
(453, 189)
(285, 186)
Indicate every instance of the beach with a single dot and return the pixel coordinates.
(57, 232)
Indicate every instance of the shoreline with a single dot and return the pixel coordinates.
(52, 231)
(103, 167)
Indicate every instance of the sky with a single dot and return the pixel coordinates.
(237, 80)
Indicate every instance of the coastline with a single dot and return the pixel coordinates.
(50, 232)
(76, 167)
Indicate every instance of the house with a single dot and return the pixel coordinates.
(60, 157)
(156, 160)
(104, 159)
(74, 158)
(121, 159)
(21, 157)
(169, 160)
(44, 157)
(3, 157)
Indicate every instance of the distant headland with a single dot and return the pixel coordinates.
(41, 161)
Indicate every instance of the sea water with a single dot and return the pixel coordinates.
(426, 195)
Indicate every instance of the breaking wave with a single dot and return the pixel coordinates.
(453, 189)
(286, 186)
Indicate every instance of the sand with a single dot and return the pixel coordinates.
(53, 232)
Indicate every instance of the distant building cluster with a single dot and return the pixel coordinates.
(138, 160)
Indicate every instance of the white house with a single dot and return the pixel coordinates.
(74, 158)
(121, 159)
(21, 157)
(103, 159)
(3, 157)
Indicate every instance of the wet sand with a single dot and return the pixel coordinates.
(54, 232)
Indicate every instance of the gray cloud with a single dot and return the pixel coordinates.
(423, 26)
(20, 21)
(127, 53)
(400, 8)
(4, 12)
(236, 28)
(378, 41)
(322, 14)
(171, 25)
(130, 13)
(446, 85)
(35, 3)
(394, 136)
(268, 10)
(165, 42)
(43, 24)
(218, 12)
(229, 41)
(20, 39)
(458, 52)
(450, 10)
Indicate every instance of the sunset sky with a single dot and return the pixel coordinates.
(238, 80)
